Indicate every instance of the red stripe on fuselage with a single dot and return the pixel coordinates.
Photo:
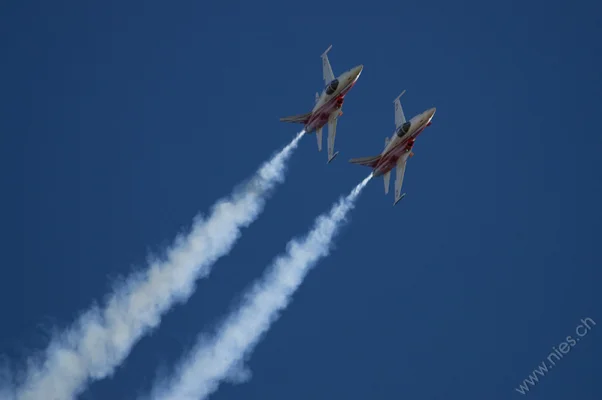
(319, 118)
(388, 160)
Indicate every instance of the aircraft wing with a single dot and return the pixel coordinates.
(326, 69)
(332, 132)
(400, 118)
(387, 177)
(319, 137)
(399, 173)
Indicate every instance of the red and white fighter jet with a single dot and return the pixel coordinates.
(327, 108)
(398, 149)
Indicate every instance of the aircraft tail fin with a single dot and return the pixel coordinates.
(299, 119)
(366, 161)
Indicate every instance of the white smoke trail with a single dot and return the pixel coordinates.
(217, 358)
(102, 338)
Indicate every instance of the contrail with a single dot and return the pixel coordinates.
(221, 356)
(101, 338)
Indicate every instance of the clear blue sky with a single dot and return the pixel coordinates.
(121, 121)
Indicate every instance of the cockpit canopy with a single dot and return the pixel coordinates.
(405, 128)
(332, 87)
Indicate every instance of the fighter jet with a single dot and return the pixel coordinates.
(328, 106)
(398, 148)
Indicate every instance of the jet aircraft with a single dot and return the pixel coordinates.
(328, 105)
(398, 148)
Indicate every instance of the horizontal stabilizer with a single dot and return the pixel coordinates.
(366, 161)
(300, 119)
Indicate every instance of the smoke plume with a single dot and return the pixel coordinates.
(217, 358)
(102, 337)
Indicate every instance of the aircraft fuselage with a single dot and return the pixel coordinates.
(402, 142)
(332, 100)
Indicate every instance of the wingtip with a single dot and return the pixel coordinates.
(397, 98)
(333, 157)
(327, 50)
(399, 199)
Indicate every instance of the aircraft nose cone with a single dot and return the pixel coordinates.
(432, 111)
(358, 69)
